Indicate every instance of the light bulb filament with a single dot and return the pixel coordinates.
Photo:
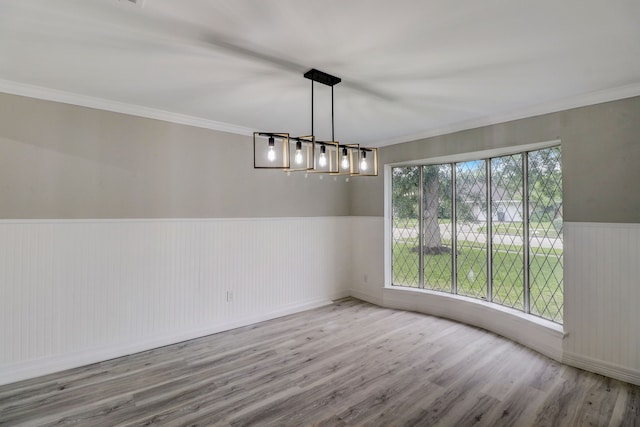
(345, 159)
(271, 154)
(298, 157)
(322, 161)
(363, 162)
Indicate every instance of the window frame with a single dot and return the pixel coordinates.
(485, 156)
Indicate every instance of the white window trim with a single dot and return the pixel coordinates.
(532, 331)
(453, 158)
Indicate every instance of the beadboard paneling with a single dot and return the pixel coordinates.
(77, 292)
(602, 295)
(367, 258)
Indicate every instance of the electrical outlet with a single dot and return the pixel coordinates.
(365, 278)
(229, 296)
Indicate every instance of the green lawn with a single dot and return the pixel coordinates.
(472, 275)
(538, 229)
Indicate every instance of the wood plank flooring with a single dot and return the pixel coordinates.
(350, 363)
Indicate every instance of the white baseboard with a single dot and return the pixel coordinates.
(35, 368)
(75, 292)
(621, 373)
(44, 366)
(601, 295)
(364, 296)
(546, 346)
(536, 334)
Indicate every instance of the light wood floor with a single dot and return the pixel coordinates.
(350, 363)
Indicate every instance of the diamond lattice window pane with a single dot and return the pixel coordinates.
(405, 227)
(471, 217)
(507, 231)
(436, 209)
(545, 234)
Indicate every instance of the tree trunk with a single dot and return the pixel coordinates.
(432, 240)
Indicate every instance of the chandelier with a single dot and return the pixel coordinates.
(280, 150)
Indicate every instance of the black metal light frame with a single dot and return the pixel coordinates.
(258, 138)
(334, 148)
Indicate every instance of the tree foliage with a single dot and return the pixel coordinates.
(545, 190)
(545, 185)
(405, 185)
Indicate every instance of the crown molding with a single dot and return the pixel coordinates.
(592, 98)
(39, 92)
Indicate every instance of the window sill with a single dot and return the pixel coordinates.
(531, 331)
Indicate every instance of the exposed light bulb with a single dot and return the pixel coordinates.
(345, 162)
(322, 161)
(271, 154)
(345, 159)
(298, 157)
(363, 162)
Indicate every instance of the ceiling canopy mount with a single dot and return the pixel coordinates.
(322, 77)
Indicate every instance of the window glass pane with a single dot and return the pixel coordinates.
(405, 227)
(427, 207)
(471, 217)
(507, 229)
(436, 210)
(545, 233)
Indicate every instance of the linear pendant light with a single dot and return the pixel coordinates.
(279, 150)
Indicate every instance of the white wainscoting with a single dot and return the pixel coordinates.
(369, 259)
(602, 298)
(79, 292)
(537, 334)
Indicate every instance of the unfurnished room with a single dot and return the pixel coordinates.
(319, 213)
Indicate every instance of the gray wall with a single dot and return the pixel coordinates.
(600, 153)
(59, 161)
(63, 161)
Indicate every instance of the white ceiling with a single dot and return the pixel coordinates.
(410, 68)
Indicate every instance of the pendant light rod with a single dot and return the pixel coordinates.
(356, 160)
(326, 79)
(333, 136)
